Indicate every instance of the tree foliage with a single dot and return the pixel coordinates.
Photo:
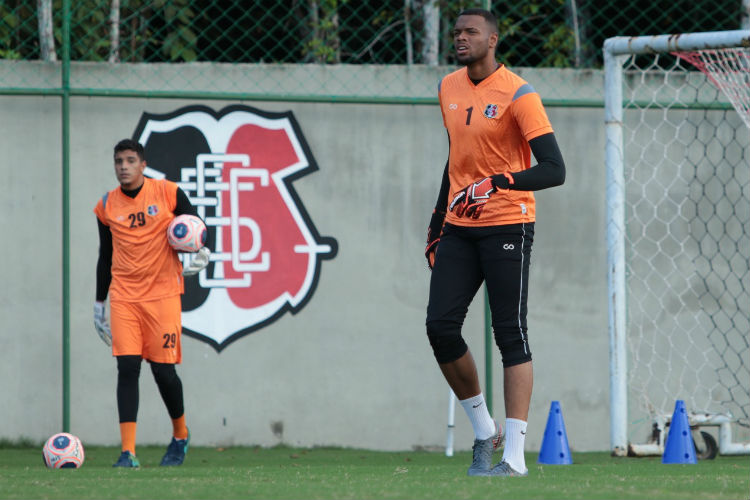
(559, 33)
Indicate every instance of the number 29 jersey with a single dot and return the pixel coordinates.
(144, 266)
(489, 126)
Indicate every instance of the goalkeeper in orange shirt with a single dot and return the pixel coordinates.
(144, 279)
(482, 229)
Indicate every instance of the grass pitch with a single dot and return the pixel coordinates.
(325, 473)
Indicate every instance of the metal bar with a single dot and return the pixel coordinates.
(620, 45)
(253, 97)
(24, 91)
(616, 252)
(726, 446)
(548, 103)
(564, 103)
(66, 216)
(451, 424)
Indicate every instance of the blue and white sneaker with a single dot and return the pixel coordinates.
(176, 451)
(127, 459)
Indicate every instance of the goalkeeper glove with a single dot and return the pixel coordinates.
(433, 236)
(100, 323)
(470, 200)
(198, 263)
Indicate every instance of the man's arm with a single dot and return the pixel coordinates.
(183, 204)
(548, 172)
(185, 207)
(437, 219)
(103, 280)
(104, 264)
(201, 258)
(445, 186)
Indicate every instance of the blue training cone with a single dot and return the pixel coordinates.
(679, 448)
(555, 450)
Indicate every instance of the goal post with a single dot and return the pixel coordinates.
(677, 154)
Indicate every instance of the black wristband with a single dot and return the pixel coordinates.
(500, 181)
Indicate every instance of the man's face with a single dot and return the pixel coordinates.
(473, 39)
(129, 169)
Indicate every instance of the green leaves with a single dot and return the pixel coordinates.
(561, 33)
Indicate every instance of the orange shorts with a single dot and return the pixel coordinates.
(151, 329)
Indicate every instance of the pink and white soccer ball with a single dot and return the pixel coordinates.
(187, 233)
(63, 451)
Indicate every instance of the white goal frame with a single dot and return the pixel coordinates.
(616, 50)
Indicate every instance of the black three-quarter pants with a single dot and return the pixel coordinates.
(466, 256)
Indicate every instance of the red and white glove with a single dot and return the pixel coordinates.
(470, 201)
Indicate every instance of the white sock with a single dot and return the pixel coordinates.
(481, 421)
(515, 437)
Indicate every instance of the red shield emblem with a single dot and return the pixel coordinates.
(237, 167)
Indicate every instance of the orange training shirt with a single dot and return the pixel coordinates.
(144, 266)
(489, 126)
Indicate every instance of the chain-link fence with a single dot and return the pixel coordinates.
(326, 50)
(533, 33)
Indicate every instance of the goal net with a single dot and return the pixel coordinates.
(678, 231)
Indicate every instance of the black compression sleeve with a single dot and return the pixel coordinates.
(445, 185)
(185, 207)
(104, 264)
(548, 172)
(183, 204)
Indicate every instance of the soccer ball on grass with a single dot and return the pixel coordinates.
(63, 451)
(187, 233)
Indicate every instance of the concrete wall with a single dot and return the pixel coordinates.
(353, 368)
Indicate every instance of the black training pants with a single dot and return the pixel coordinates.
(466, 256)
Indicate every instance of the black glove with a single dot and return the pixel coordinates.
(433, 236)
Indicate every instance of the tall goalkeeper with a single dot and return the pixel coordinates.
(482, 229)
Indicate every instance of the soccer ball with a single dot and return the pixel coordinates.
(63, 451)
(187, 233)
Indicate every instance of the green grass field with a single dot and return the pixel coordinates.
(216, 473)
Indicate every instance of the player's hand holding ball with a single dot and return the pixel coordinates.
(188, 233)
(198, 263)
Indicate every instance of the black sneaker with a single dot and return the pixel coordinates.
(176, 451)
(127, 459)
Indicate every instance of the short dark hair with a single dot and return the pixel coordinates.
(130, 145)
(486, 14)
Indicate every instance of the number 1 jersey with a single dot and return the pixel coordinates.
(489, 126)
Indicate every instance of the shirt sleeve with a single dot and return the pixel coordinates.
(440, 101)
(99, 210)
(529, 113)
